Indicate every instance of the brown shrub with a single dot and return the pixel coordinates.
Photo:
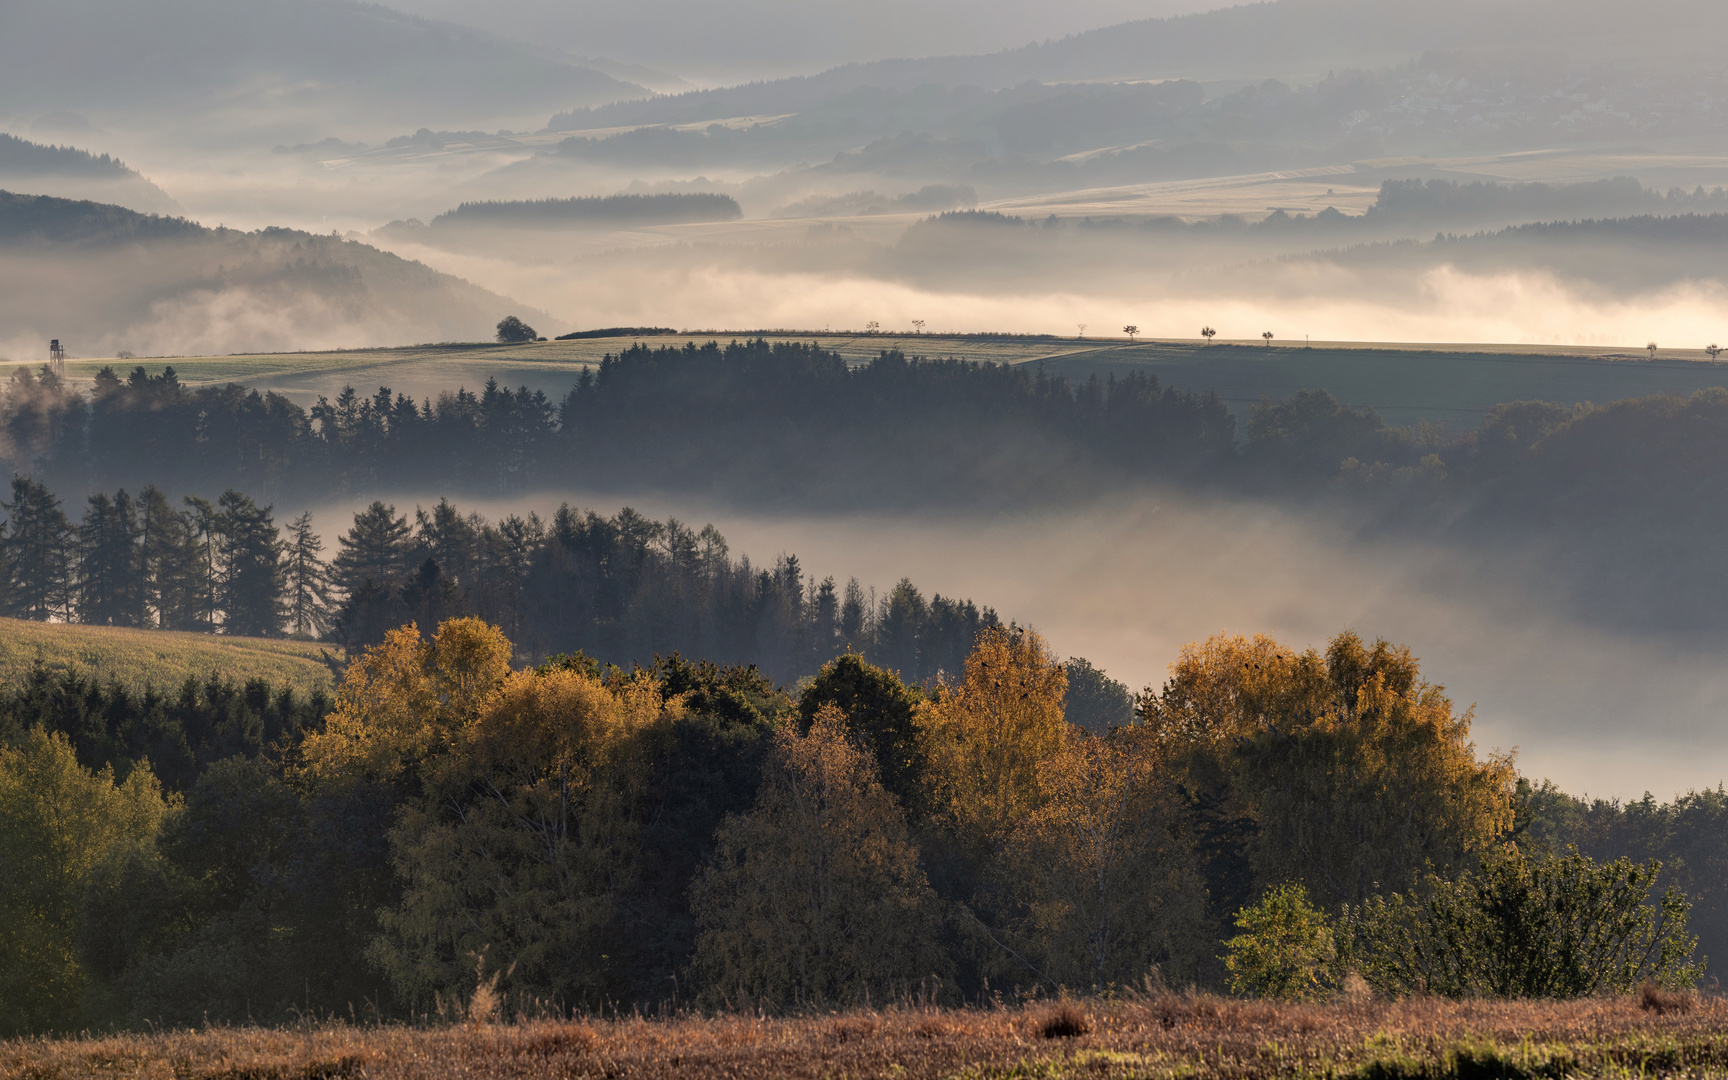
(1652, 998)
(853, 1028)
(1064, 1022)
(552, 1041)
(933, 1027)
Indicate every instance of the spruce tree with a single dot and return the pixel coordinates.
(308, 596)
(376, 549)
(253, 577)
(39, 552)
(109, 592)
(168, 564)
(203, 565)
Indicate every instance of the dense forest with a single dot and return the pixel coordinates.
(581, 838)
(794, 424)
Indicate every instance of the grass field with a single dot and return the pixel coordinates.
(1188, 1036)
(161, 657)
(1450, 384)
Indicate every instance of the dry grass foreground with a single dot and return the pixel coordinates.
(1191, 1036)
(162, 658)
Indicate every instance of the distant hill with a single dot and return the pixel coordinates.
(77, 174)
(342, 61)
(1253, 41)
(161, 285)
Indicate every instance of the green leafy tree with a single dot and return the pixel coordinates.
(58, 823)
(1526, 927)
(1286, 949)
(815, 897)
(1103, 874)
(513, 331)
(1095, 702)
(879, 710)
(1352, 769)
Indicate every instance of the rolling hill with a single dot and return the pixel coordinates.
(106, 279)
(345, 63)
(1282, 38)
(38, 169)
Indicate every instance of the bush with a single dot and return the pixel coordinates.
(1285, 951)
(1524, 927)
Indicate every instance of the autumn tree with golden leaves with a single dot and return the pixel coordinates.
(519, 852)
(1356, 773)
(1104, 871)
(983, 739)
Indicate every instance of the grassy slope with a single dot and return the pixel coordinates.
(163, 658)
(1453, 385)
(1192, 1036)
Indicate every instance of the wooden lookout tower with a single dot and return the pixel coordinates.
(57, 359)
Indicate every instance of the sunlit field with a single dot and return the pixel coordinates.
(161, 658)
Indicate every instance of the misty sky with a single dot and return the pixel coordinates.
(744, 39)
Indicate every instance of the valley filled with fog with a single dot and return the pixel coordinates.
(1311, 171)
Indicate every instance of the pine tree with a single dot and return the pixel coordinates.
(167, 564)
(308, 594)
(376, 549)
(252, 577)
(203, 593)
(39, 552)
(109, 590)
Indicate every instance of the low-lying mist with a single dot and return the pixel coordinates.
(1126, 582)
(846, 283)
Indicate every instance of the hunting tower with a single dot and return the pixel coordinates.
(57, 359)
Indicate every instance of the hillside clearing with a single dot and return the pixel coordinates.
(161, 658)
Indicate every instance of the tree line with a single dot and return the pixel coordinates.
(578, 837)
(781, 419)
(622, 589)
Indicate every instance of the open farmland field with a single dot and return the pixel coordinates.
(552, 366)
(162, 658)
(1196, 1037)
(1452, 385)
(1405, 384)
